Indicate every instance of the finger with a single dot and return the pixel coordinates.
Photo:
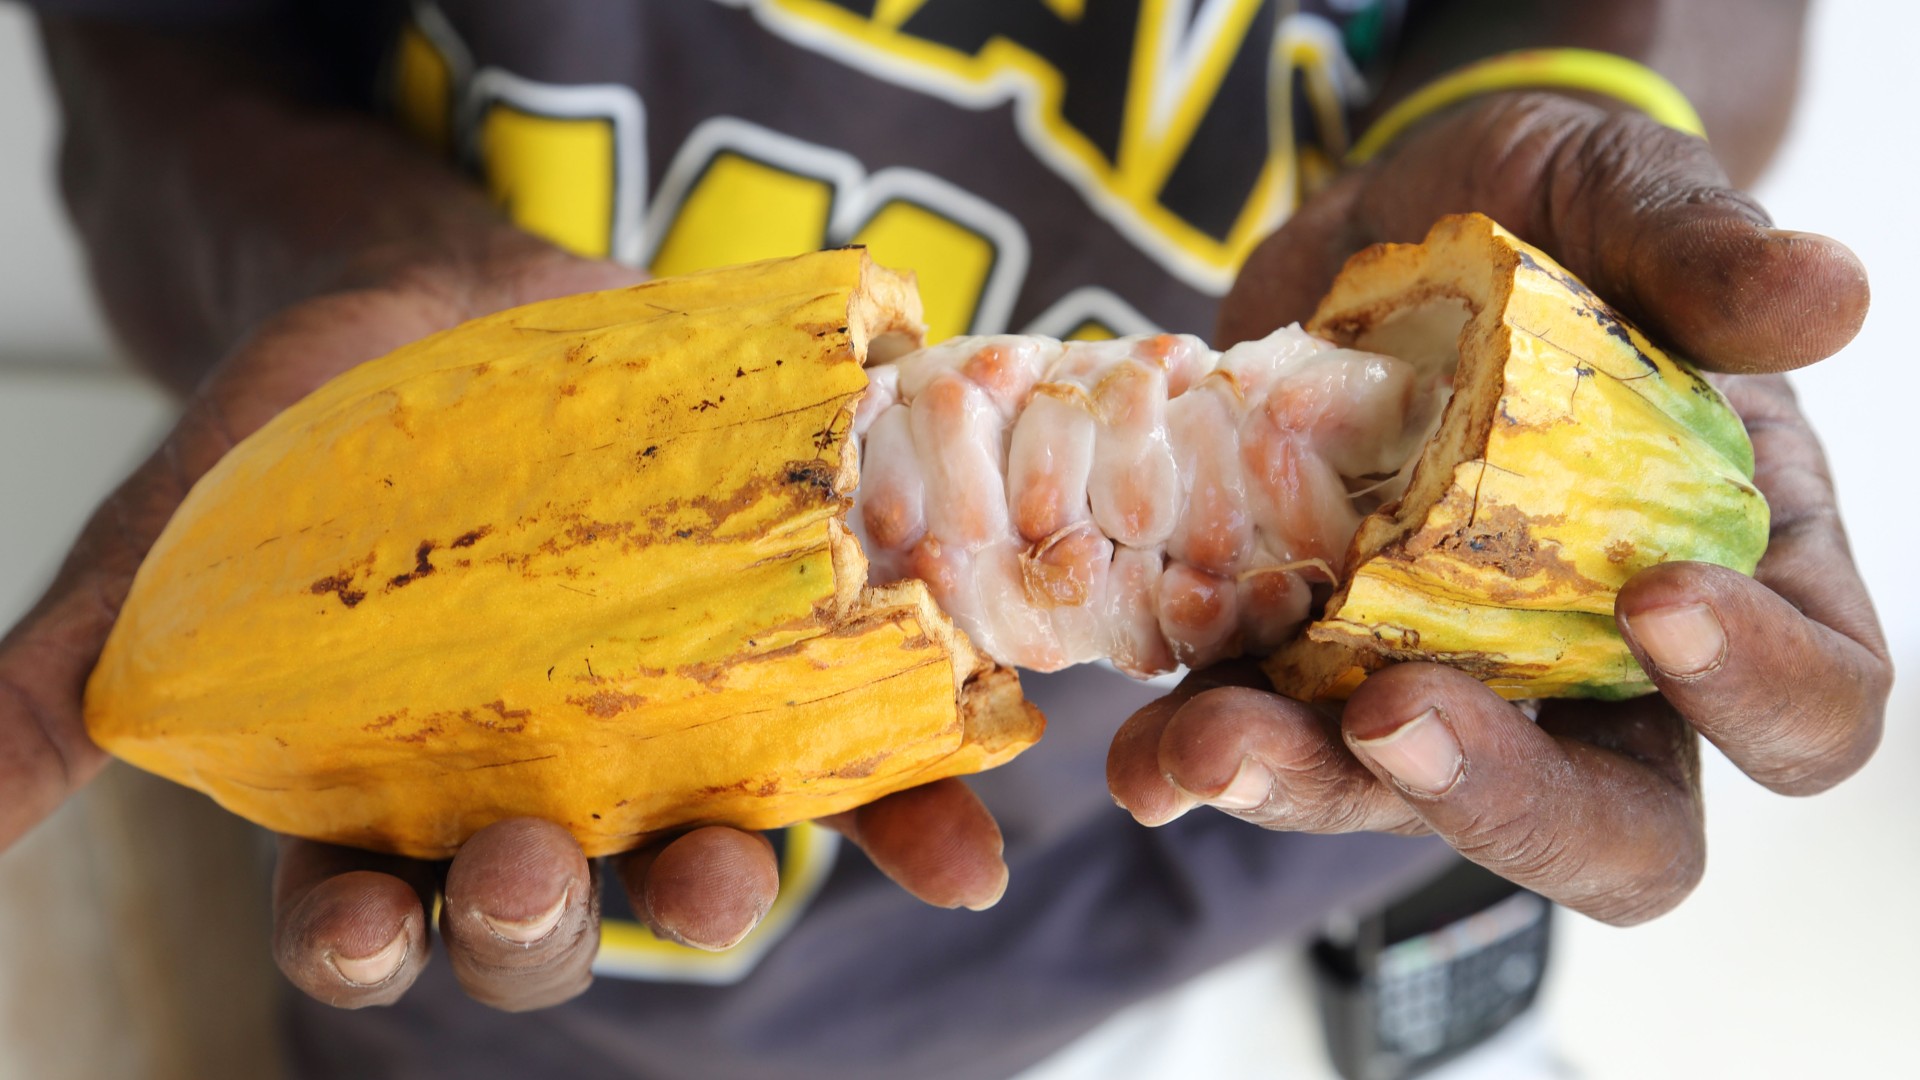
(349, 927)
(1796, 705)
(1643, 214)
(937, 841)
(1788, 673)
(1613, 830)
(1135, 778)
(707, 889)
(1276, 763)
(45, 754)
(1808, 561)
(522, 916)
(1646, 216)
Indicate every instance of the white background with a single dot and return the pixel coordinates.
(1798, 957)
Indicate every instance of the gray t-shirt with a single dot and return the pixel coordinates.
(1071, 167)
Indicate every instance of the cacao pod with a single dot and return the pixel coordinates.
(581, 560)
(586, 560)
(1573, 454)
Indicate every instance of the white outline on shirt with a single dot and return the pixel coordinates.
(1090, 303)
(858, 196)
(619, 105)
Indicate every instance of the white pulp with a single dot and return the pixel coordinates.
(1144, 500)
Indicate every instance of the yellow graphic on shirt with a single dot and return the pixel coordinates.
(1175, 67)
(1309, 56)
(566, 162)
(737, 192)
(423, 90)
(553, 175)
(429, 71)
(1174, 77)
(951, 261)
(740, 211)
(1091, 331)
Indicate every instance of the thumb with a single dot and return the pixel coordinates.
(1646, 217)
(45, 754)
(1642, 213)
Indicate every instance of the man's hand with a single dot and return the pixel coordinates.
(520, 917)
(214, 184)
(1597, 805)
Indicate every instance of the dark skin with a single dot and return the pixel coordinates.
(249, 243)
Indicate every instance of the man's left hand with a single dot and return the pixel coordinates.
(1597, 805)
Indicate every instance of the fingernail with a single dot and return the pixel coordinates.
(1795, 236)
(1421, 754)
(1685, 640)
(378, 968)
(529, 931)
(1251, 786)
(716, 946)
(999, 891)
(1182, 802)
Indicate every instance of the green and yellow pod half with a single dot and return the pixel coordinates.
(1573, 454)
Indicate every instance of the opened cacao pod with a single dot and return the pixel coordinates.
(589, 560)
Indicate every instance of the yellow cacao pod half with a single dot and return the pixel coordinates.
(582, 560)
(1573, 454)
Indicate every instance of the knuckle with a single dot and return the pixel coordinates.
(1808, 510)
(525, 996)
(1532, 121)
(1318, 808)
(1316, 788)
(1799, 743)
(1521, 139)
(1518, 847)
(1624, 888)
(1612, 182)
(538, 981)
(1611, 151)
(516, 977)
(1638, 897)
(1308, 760)
(1345, 815)
(44, 756)
(1842, 744)
(1633, 152)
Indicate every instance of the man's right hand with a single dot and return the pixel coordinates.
(520, 917)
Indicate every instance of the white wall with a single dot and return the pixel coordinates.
(1796, 956)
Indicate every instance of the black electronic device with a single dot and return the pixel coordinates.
(1435, 974)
